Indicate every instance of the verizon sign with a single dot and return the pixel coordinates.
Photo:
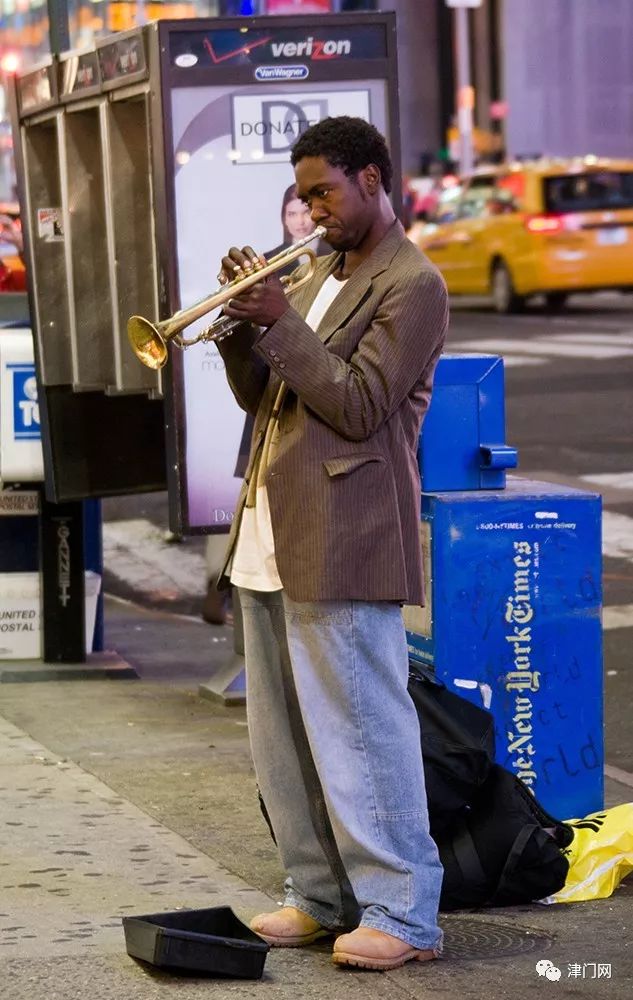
(266, 128)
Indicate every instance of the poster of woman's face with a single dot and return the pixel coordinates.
(234, 186)
(296, 220)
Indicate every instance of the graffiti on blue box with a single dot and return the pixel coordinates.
(26, 411)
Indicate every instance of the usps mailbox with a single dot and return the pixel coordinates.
(512, 620)
(20, 436)
(21, 464)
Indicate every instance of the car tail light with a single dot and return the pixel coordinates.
(547, 224)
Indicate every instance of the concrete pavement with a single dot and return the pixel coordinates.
(136, 796)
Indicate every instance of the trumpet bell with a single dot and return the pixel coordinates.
(146, 342)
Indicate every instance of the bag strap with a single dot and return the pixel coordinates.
(514, 854)
(467, 858)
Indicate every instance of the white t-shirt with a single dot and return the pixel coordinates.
(254, 565)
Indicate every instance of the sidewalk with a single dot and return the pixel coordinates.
(136, 796)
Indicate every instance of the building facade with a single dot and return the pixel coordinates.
(568, 77)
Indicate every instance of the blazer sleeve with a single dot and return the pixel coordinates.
(402, 341)
(247, 374)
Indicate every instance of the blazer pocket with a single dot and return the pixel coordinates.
(349, 463)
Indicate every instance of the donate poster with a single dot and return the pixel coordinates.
(232, 178)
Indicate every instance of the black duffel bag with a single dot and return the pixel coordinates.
(505, 850)
(497, 844)
(458, 747)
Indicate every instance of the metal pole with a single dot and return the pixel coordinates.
(62, 560)
(58, 28)
(465, 95)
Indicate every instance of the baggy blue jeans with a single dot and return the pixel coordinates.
(335, 741)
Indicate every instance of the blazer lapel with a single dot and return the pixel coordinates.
(348, 299)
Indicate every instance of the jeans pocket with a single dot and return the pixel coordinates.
(320, 612)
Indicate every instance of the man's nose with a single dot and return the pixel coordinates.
(318, 213)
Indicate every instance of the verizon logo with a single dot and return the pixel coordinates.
(312, 49)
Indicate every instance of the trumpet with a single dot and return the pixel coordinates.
(149, 340)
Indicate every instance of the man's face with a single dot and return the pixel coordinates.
(335, 200)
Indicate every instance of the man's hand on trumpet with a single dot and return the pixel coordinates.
(264, 302)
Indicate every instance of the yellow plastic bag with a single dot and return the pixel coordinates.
(600, 855)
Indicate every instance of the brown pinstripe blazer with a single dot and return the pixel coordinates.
(343, 485)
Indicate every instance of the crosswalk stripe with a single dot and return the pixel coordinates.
(619, 775)
(549, 347)
(617, 616)
(611, 339)
(617, 535)
(617, 480)
(511, 361)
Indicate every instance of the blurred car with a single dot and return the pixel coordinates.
(426, 223)
(547, 227)
(12, 271)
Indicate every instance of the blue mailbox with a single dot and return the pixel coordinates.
(512, 619)
(21, 463)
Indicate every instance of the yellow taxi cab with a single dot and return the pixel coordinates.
(549, 227)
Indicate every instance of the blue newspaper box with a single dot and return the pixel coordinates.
(512, 622)
(462, 444)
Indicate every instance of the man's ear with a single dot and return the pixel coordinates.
(372, 178)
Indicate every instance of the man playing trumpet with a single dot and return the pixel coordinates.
(325, 549)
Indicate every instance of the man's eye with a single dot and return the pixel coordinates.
(322, 194)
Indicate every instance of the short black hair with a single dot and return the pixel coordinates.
(349, 143)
